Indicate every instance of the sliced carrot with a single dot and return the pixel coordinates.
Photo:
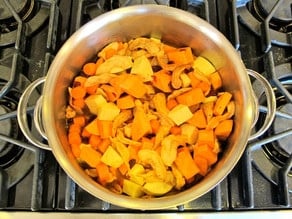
(155, 125)
(123, 169)
(104, 174)
(78, 92)
(75, 150)
(222, 103)
(126, 102)
(74, 138)
(79, 103)
(191, 97)
(171, 103)
(185, 163)
(79, 120)
(223, 129)
(94, 141)
(103, 145)
(89, 68)
(105, 128)
(175, 130)
(85, 133)
(74, 128)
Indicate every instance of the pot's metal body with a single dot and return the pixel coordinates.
(172, 26)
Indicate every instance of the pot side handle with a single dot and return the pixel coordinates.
(271, 104)
(22, 115)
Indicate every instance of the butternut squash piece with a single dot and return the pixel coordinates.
(215, 80)
(202, 163)
(104, 128)
(206, 152)
(141, 124)
(206, 137)
(181, 56)
(104, 174)
(191, 97)
(126, 102)
(133, 85)
(161, 80)
(199, 119)
(185, 163)
(89, 155)
(223, 129)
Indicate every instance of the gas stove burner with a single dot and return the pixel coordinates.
(282, 15)
(278, 152)
(9, 154)
(280, 125)
(281, 19)
(23, 8)
(252, 16)
(33, 15)
(102, 6)
(14, 160)
(273, 156)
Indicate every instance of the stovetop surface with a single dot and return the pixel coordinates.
(42, 185)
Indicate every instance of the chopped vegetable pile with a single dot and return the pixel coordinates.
(147, 119)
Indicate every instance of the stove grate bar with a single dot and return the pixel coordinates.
(19, 46)
(283, 186)
(38, 181)
(70, 196)
(3, 188)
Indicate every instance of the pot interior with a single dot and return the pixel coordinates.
(175, 27)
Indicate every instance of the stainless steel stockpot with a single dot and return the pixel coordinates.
(173, 26)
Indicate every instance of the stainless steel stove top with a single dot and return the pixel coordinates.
(32, 185)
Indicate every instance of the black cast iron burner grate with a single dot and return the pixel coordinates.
(259, 153)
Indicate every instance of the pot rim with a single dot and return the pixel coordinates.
(215, 177)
